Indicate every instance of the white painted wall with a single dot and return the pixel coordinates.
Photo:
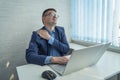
(18, 18)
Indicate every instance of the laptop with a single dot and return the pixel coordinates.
(80, 59)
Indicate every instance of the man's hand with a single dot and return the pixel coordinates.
(60, 60)
(44, 34)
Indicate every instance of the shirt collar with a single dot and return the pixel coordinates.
(50, 32)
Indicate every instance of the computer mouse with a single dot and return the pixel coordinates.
(49, 75)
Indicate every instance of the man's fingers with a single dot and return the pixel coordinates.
(63, 60)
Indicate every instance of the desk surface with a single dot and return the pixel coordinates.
(106, 67)
(33, 72)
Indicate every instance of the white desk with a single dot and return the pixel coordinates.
(107, 66)
(33, 72)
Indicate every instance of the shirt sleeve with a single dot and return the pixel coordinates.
(47, 60)
(51, 40)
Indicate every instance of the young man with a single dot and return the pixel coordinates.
(48, 44)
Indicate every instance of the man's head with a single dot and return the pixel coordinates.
(49, 17)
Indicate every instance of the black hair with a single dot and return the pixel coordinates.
(49, 9)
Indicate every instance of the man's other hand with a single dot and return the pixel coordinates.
(60, 60)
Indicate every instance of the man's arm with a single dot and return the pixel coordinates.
(62, 44)
(32, 52)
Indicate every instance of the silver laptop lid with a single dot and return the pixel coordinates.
(84, 57)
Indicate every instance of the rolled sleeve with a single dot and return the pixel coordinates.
(47, 60)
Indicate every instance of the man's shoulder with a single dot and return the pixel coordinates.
(35, 32)
(59, 28)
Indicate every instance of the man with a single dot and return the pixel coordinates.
(48, 44)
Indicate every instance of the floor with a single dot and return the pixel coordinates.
(8, 66)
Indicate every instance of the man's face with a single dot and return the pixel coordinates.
(50, 18)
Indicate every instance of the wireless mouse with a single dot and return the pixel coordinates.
(49, 75)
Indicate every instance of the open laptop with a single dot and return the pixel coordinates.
(81, 58)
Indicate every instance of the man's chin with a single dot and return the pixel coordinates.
(54, 23)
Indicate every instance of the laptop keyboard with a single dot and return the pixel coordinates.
(58, 68)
